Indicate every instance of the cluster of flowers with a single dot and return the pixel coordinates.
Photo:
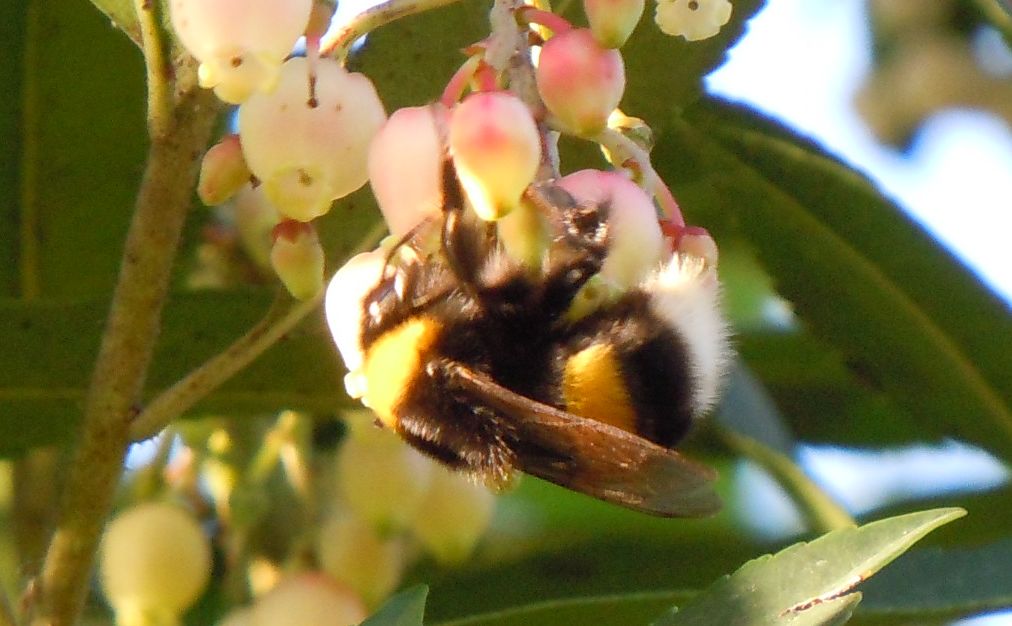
(311, 132)
(383, 506)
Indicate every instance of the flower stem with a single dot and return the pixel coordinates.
(283, 316)
(820, 510)
(340, 42)
(555, 23)
(624, 149)
(180, 132)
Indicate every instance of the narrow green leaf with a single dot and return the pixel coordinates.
(830, 613)
(910, 319)
(946, 582)
(771, 589)
(623, 610)
(49, 348)
(406, 608)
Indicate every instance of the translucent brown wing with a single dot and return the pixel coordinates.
(594, 458)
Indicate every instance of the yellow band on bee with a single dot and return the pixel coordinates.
(593, 387)
(393, 361)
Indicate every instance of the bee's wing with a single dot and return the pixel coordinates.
(595, 458)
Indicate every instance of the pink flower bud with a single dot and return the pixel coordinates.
(309, 152)
(405, 166)
(692, 19)
(222, 171)
(612, 21)
(697, 242)
(635, 245)
(580, 82)
(240, 44)
(496, 149)
(297, 257)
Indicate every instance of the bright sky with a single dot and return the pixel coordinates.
(802, 61)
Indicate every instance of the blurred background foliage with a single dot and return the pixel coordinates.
(854, 327)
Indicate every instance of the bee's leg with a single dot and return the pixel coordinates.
(457, 429)
(581, 226)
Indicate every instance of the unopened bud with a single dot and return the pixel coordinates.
(297, 257)
(405, 166)
(496, 149)
(580, 81)
(612, 21)
(223, 171)
(696, 241)
(635, 245)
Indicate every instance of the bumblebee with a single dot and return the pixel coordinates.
(484, 364)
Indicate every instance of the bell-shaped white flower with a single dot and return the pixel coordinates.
(240, 44)
(309, 149)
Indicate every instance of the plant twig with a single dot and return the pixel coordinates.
(821, 511)
(282, 317)
(340, 42)
(6, 612)
(127, 346)
(159, 71)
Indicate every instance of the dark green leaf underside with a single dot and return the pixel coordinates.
(859, 274)
(49, 349)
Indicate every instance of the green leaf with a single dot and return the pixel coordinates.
(943, 582)
(74, 146)
(623, 610)
(910, 319)
(817, 393)
(49, 348)
(830, 613)
(411, 59)
(775, 588)
(407, 608)
(547, 543)
(122, 14)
